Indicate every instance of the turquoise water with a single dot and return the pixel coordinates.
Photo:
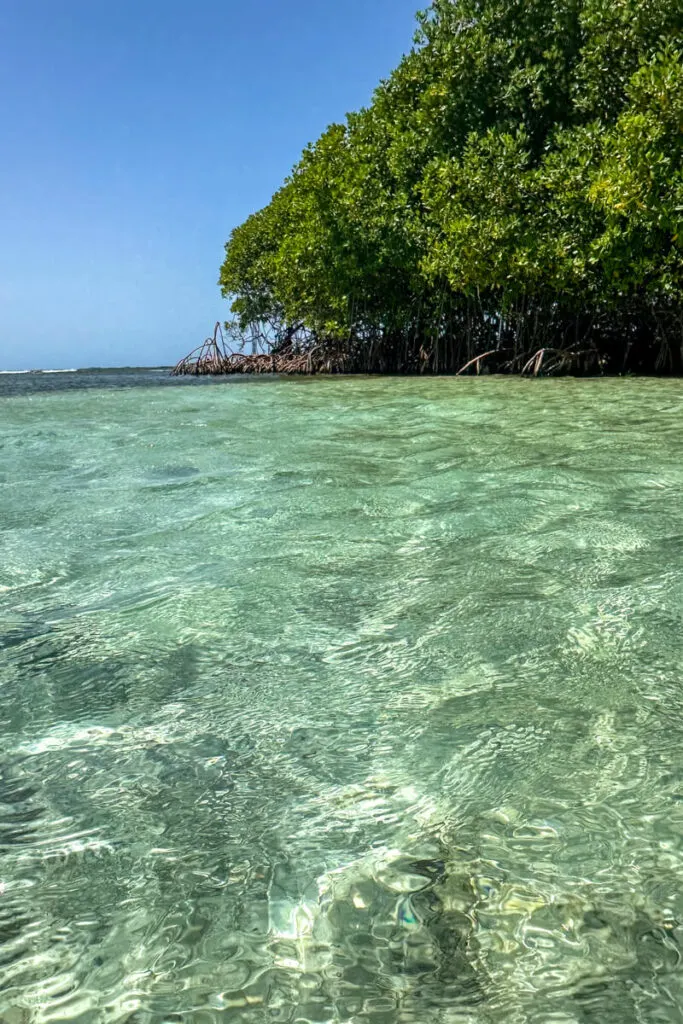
(341, 700)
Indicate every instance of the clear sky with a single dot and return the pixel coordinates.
(134, 134)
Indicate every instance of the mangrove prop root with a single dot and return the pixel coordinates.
(526, 341)
(214, 358)
(534, 363)
(476, 361)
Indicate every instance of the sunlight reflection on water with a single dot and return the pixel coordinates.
(342, 700)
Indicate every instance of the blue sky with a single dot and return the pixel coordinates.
(135, 134)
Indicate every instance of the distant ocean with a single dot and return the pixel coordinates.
(23, 382)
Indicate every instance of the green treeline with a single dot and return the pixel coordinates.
(515, 189)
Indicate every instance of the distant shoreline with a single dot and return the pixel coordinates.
(93, 369)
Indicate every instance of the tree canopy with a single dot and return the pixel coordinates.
(511, 198)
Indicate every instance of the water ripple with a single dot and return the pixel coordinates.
(341, 701)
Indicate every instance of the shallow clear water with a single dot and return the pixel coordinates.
(341, 700)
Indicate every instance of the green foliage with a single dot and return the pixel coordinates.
(517, 182)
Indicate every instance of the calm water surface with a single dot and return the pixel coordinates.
(341, 700)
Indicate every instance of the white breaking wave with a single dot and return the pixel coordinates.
(70, 370)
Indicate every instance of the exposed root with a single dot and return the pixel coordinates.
(214, 358)
(476, 361)
(473, 340)
(535, 362)
(207, 358)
